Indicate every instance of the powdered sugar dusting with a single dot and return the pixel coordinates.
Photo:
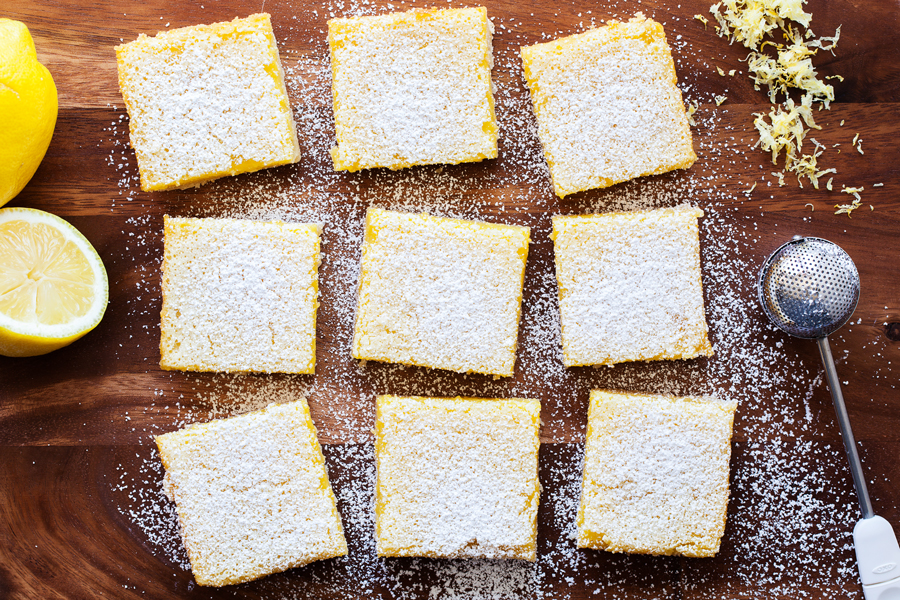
(656, 474)
(791, 507)
(630, 286)
(473, 493)
(607, 105)
(442, 293)
(239, 295)
(204, 102)
(412, 88)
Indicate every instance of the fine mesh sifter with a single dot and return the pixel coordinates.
(809, 288)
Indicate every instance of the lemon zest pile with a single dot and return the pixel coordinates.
(806, 166)
(784, 128)
(792, 68)
(785, 131)
(749, 21)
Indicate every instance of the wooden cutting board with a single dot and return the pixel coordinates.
(81, 514)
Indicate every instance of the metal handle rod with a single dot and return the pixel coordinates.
(856, 470)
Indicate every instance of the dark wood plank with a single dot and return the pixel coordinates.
(85, 393)
(83, 518)
(98, 512)
(76, 40)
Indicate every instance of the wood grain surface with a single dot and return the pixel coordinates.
(81, 512)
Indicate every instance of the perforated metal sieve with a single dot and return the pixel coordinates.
(809, 288)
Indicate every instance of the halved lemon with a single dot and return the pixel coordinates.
(53, 286)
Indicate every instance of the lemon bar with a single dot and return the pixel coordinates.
(412, 88)
(205, 102)
(239, 295)
(252, 494)
(456, 477)
(655, 474)
(607, 105)
(440, 293)
(630, 287)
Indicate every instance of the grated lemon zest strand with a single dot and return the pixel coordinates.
(846, 209)
(691, 109)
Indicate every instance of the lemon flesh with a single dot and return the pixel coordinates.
(53, 286)
(28, 108)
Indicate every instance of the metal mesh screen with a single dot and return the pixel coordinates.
(809, 287)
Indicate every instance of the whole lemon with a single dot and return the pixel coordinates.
(28, 106)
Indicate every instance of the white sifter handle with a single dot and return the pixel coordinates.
(878, 558)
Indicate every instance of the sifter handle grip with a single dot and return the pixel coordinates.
(878, 558)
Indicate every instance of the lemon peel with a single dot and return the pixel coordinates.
(749, 21)
(28, 108)
(846, 209)
(784, 128)
(53, 285)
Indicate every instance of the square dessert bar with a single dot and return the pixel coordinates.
(412, 88)
(239, 295)
(252, 494)
(655, 474)
(440, 293)
(630, 287)
(457, 477)
(607, 105)
(205, 102)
